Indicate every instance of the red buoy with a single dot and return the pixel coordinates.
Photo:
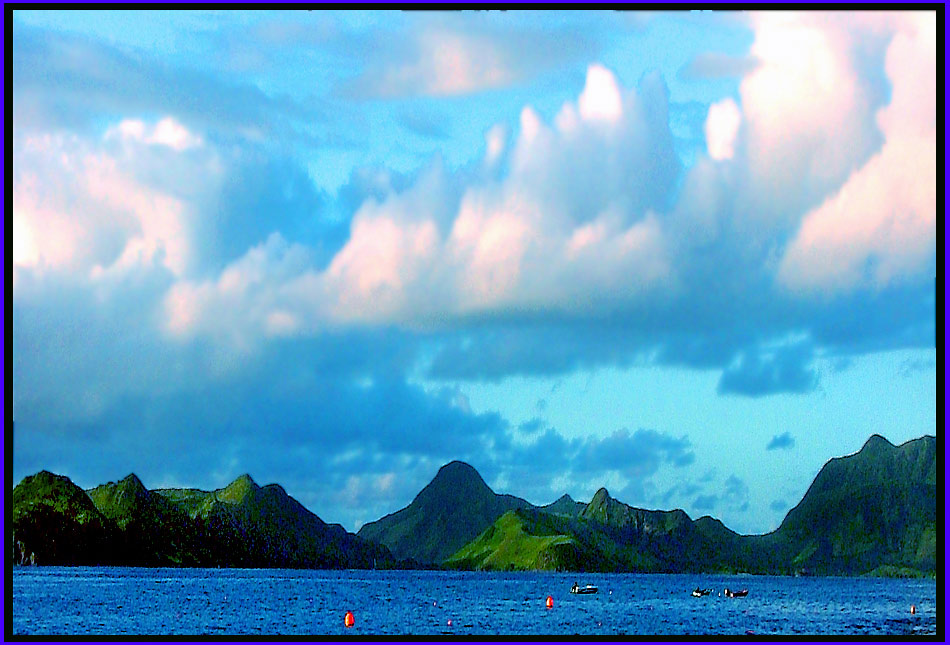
(549, 602)
(348, 619)
(449, 623)
(913, 609)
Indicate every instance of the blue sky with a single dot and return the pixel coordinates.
(688, 256)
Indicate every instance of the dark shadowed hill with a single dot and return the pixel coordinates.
(875, 508)
(55, 522)
(123, 523)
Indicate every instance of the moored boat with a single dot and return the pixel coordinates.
(584, 589)
(728, 593)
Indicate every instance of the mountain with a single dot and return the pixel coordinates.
(871, 509)
(265, 527)
(123, 523)
(606, 535)
(151, 530)
(565, 505)
(871, 512)
(450, 511)
(55, 523)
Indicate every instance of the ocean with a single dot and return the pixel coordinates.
(261, 602)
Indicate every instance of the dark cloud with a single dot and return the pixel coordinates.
(68, 81)
(705, 502)
(782, 441)
(263, 193)
(910, 367)
(759, 374)
(638, 454)
(531, 426)
(736, 493)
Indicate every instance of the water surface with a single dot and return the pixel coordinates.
(134, 601)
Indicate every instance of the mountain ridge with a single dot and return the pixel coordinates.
(842, 525)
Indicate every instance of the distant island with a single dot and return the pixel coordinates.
(871, 513)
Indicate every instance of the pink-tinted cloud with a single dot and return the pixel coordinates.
(880, 226)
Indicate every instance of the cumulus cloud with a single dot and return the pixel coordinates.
(166, 241)
(880, 226)
(78, 207)
(722, 126)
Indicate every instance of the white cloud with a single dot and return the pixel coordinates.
(600, 99)
(880, 226)
(76, 208)
(722, 126)
(807, 109)
(166, 132)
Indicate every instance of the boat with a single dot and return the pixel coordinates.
(584, 589)
(728, 593)
(699, 593)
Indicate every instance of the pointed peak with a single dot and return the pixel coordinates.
(565, 498)
(238, 489)
(601, 496)
(132, 481)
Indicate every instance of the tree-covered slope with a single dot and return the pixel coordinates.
(123, 523)
(55, 523)
(876, 507)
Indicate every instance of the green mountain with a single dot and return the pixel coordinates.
(872, 512)
(265, 527)
(151, 531)
(55, 522)
(450, 511)
(874, 508)
(123, 523)
(564, 505)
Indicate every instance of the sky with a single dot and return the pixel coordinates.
(689, 257)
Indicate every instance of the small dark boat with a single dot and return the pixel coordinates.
(584, 589)
(735, 594)
(699, 593)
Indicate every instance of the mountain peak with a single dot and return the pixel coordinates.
(876, 442)
(457, 468)
(132, 482)
(237, 490)
(600, 497)
(458, 479)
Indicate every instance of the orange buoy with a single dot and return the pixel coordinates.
(549, 602)
(913, 609)
(348, 619)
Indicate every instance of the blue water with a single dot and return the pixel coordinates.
(115, 600)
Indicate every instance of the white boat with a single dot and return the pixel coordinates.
(584, 589)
